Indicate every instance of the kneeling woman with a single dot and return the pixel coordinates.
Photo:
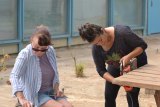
(34, 77)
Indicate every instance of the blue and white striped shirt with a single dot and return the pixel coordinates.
(26, 74)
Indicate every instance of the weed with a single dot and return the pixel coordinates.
(79, 68)
(3, 66)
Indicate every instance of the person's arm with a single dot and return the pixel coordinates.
(108, 77)
(18, 71)
(134, 42)
(100, 64)
(99, 60)
(137, 51)
(17, 85)
(22, 100)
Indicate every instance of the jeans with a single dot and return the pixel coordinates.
(43, 97)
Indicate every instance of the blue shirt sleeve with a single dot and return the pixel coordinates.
(17, 71)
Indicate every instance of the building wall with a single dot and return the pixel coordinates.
(19, 18)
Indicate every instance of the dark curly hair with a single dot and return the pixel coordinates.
(43, 34)
(90, 31)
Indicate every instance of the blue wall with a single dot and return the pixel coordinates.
(63, 17)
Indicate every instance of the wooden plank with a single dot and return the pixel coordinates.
(143, 81)
(157, 98)
(143, 74)
(147, 76)
(147, 71)
(148, 66)
(139, 77)
(137, 83)
(151, 69)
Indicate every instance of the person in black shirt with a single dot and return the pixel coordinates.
(108, 44)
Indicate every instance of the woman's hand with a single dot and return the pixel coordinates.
(22, 100)
(60, 93)
(25, 103)
(137, 51)
(125, 60)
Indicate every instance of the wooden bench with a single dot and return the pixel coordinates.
(147, 77)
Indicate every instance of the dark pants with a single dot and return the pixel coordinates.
(111, 91)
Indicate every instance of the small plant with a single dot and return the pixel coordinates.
(3, 66)
(79, 70)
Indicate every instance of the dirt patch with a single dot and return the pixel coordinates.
(87, 91)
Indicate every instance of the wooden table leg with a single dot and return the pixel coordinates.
(157, 97)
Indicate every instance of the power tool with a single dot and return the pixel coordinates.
(127, 68)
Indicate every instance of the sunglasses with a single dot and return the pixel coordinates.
(43, 50)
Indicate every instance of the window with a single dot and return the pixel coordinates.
(8, 19)
(92, 11)
(51, 13)
(128, 12)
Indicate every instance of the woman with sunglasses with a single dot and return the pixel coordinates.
(112, 45)
(34, 77)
